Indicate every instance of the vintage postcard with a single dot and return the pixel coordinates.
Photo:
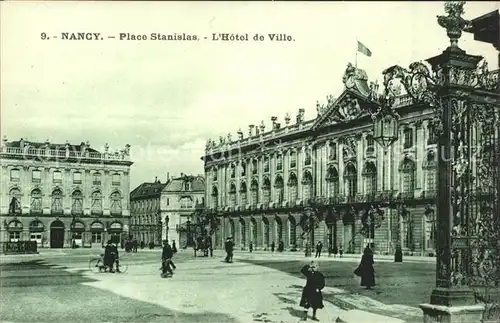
(249, 161)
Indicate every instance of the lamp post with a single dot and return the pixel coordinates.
(188, 228)
(385, 133)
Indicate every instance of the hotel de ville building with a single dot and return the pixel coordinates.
(63, 195)
(262, 181)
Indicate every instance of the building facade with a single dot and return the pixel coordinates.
(145, 220)
(180, 199)
(62, 195)
(261, 183)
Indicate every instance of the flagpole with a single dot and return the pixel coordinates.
(356, 62)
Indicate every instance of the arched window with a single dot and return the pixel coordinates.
(266, 164)
(307, 182)
(214, 174)
(370, 144)
(243, 193)
(351, 176)
(265, 231)
(332, 151)
(370, 175)
(254, 188)
(430, 169)
(36, 201)
(279, 162)
(253, 230)
(280, 189)
(243, 169)
(293, 188)
(243, 232)
(255, 167)
(77, 202)
(15, 201)
(233, 170)
(292, 231)
(215, 197)
(408, 177)
(232, 195)
(308, 157)
(266, 191)
(332, 179)
(293, 159)
(116, 203)
(96, 203)
(56, 205)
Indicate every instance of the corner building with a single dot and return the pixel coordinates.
(62, 195)
(261, 182)
(145, 219)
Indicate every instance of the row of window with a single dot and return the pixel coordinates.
(57, 202)
(332, 154)
(351, 182)
(36, 177)
(145, 220)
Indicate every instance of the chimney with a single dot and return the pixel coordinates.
(21, 143)
(168, 177)
(182, 174)
(156, 179)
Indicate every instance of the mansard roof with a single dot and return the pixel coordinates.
(147, 191)
(176, 184)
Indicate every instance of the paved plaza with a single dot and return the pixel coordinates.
(57, 286)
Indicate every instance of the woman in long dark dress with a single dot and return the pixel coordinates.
(366, 270)
(311, 293)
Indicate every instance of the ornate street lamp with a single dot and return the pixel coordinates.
(188, 227)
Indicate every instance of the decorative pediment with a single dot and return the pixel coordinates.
(352, 104)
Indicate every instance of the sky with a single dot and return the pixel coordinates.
(166, 98)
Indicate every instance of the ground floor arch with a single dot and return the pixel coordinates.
(57, 234)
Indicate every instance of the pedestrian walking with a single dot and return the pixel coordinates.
(311, 293)
(272, 246)
(167, 265)
(250, 246)
(135, 244)
(281, 246)
(341, 251)
(229, 246)
(335, 251)
(319, 247)
(365, 269)
(174, 247)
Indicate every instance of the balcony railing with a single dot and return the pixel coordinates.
(44, 153)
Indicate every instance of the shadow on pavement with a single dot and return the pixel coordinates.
(37, 291)
(295, 312)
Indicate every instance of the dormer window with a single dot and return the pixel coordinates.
(186, 186)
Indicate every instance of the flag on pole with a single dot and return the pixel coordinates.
(363, 49)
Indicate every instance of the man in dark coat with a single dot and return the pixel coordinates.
(272, 246)
(109, 256)
(229, 246)
(311, 293)
(319, 247)
(174, 247)
(116, 256)
(166, 259)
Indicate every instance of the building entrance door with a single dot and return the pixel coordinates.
(57, 234)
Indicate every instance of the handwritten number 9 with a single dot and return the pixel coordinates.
(43, 36)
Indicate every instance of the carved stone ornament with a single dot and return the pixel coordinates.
(351, 75)
(454, 23)
(350, 108)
